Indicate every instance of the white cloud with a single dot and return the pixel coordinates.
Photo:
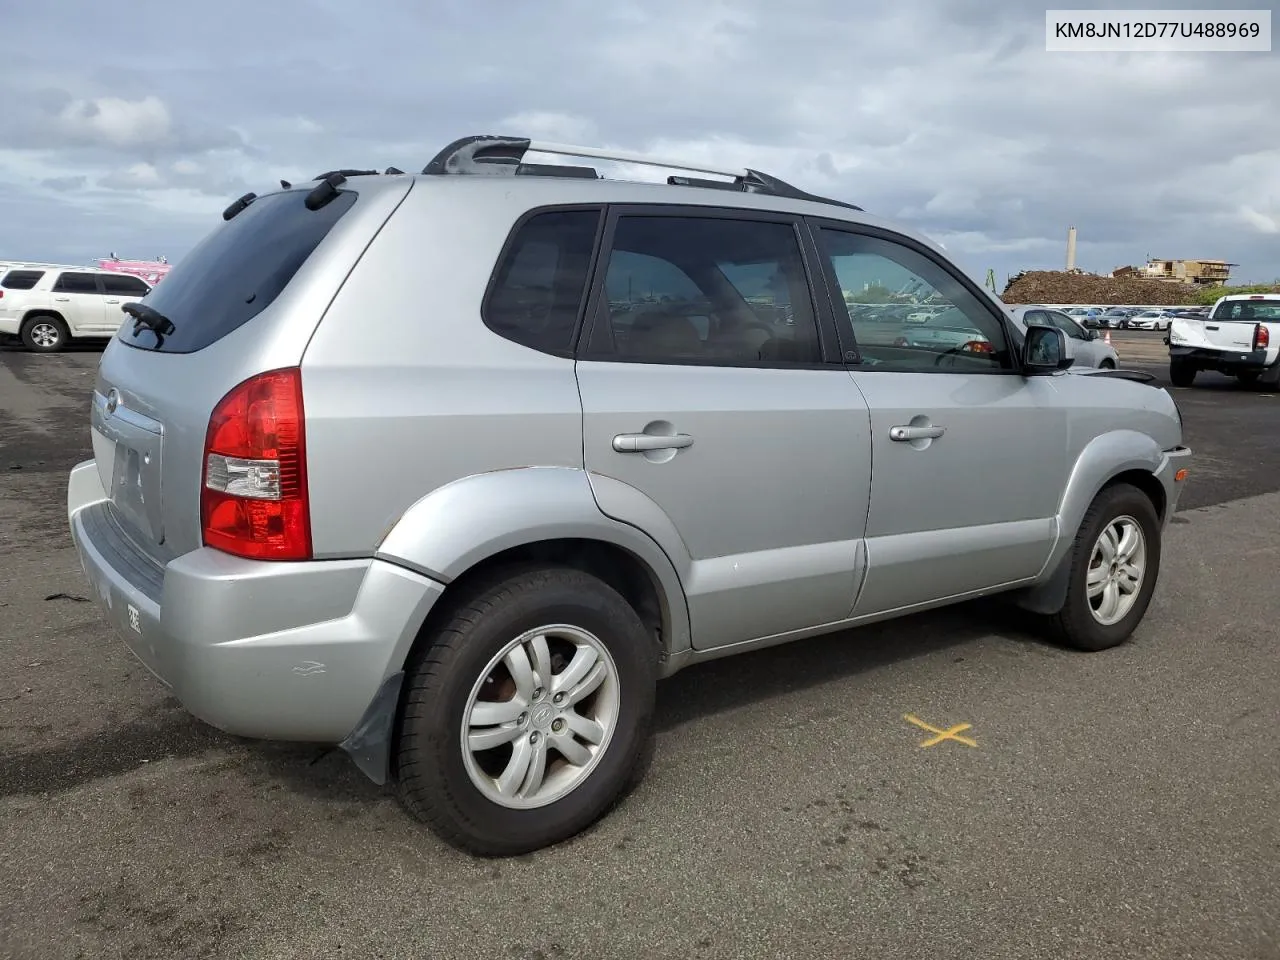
(117, 122)
(947, 115)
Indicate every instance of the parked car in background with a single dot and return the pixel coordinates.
(1240, 338)
(1090, 349)
(464, 538)
(47, 307)
(1149, 320)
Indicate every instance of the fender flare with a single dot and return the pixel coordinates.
(1102, 460)
(467, 521)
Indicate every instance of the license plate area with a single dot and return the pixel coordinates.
(129, 446)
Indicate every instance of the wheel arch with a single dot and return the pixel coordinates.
(1119, 457)
(462, 532)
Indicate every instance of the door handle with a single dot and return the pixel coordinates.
(640, 442)
(113, 301)
(62, 299)
(916, 433)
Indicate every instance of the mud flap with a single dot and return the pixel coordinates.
(1050, 596)
(369, 744)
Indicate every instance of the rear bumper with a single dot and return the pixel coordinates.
(280, 651)
(9, 326)
(1224, 361)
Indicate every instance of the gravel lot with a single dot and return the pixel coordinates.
(1121, 804)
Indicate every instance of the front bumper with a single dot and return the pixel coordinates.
(280, 651)
(1175, 460)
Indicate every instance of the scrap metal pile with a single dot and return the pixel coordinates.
(1054, 286)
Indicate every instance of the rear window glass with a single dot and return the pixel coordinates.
(236, 271)
(21, 279)
(1248, 310)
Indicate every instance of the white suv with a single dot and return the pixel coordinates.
(47, 306)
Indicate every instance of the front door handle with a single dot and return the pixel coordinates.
(916, 433)
(62, 299)
(640, 442)
(113, 301)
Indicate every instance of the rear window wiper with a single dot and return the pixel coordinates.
(149, 317)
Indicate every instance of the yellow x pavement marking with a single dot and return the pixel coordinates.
(952, 733)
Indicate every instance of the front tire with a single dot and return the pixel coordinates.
(44, 333)
(1181, 373)
(1115, 562)
(528, 714)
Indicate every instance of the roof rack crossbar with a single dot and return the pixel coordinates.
(504, 156)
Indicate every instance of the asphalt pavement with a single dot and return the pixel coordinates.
(1121, 804)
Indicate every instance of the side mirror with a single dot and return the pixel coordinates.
(1046, 350)
(1091, 334)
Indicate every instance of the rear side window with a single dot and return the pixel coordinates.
(123, 285)
(76, 283)
(21, 279)
(537, 292)
(236, 271)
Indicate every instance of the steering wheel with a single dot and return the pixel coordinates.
(962, 350)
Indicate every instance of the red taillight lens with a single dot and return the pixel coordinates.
(978, 346)
(901, 342)
(254, 499)
(1261, 337)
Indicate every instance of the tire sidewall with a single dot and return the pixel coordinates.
(57, 324)
(1112, 503)
(438, 730)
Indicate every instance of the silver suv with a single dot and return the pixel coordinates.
(450, 469)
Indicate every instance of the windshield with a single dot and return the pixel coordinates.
(236, 271)
(1248, 310)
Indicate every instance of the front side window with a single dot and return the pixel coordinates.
(706, 290)
(1066, 325)
(907, 311)
(123, 285)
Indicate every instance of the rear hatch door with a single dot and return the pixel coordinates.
(245, 300)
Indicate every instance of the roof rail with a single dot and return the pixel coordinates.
(504, 157)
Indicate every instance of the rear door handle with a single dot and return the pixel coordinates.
(916, 433)
(640, 442)
(113, 301)
(62, 299)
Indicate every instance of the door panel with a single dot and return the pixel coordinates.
(76, 296)
(969, 509)
(119, 289)
(769, 498)
(712, 393)
(969, 456)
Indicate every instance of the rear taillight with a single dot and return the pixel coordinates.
(1261, 337)
(254, 500)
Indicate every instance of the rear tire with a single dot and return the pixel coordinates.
(44, 333)
(1116, 548)
(1181, 373)
(486, 662)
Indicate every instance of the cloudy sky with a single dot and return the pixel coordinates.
(129, 131)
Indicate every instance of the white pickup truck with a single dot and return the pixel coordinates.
(1240, 337)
